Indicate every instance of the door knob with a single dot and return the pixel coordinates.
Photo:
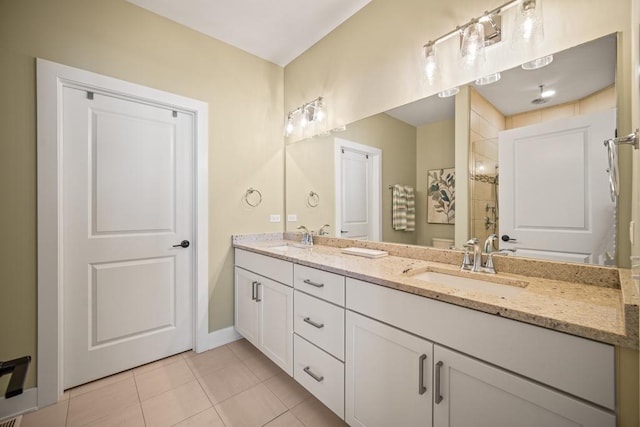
(183, 244)
(506, 238)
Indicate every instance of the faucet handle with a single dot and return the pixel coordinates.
(489, 267)
(466, 260)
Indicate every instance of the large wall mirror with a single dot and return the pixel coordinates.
(537, 173)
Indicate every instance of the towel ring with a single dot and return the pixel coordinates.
(313, 199)
(249, 192)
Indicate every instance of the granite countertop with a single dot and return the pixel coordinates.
(597, 303)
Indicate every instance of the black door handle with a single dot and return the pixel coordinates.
(506, 238)
(183, 244)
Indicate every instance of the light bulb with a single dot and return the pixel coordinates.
(288, 125)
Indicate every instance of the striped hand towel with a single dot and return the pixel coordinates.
(411, 208)
(398, 208)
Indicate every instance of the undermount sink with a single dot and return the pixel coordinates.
(503, 288)
(290, 247)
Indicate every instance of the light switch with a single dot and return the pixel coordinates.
(274, 218)
(292, 218)
(632, 232)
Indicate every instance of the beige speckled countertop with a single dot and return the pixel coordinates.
(597, 303)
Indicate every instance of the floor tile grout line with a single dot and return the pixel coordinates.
(135, 381)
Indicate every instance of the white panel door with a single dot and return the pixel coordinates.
(127, 199)
(470, 393)
(554, 198)
(388, 375)
(357, 170)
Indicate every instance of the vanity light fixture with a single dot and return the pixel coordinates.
(537, 63)
(309, 119)
(485, 31)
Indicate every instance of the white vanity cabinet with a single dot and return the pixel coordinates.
(388, 375)
(319, 335)
(264, 306)
(525, 376)
(468, 392)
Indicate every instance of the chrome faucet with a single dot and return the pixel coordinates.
(307, 238)
(322, 232)
(488, 244)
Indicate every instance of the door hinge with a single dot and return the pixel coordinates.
(89, 95)
(175, 113)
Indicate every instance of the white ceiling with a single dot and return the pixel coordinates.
(573, 74)
(275, 30)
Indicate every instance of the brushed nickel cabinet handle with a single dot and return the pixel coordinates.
(312, 323)
(312, 375)
(253, 290)
(438, 396)
(258, 284)
(317, 285)
(421, 387)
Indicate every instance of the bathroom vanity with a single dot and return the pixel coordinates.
(408, 339)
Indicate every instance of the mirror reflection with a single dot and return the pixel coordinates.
(537, 165)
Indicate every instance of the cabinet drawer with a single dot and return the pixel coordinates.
(273, 268)
(319, 322)
(320, 373)
(325, 285)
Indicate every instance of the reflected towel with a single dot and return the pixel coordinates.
(398, 207)
(411, 209)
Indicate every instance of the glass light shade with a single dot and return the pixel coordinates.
(528, 26)
(430, 64)
(537, 63)
(288, 125)
(448, 92)
(488, 79)
(319, 116)
(472, 47)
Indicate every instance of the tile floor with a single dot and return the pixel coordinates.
(232, 385)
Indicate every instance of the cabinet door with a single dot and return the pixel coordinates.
(276, 322)
(471, 393)
(388, 375)
(246, 307)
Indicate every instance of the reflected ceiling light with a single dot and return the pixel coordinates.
(537, 63)
(309, 119)
(487, 80)
(448, 92)
(544, 95)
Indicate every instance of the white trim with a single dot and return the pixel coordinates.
(222, 337)
(25, 402)
(51, 78)
(376, 216)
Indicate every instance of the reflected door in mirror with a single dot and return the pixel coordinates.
(356, 188)
(554, 199)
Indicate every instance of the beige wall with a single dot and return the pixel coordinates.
(120, 40)
(435, 149)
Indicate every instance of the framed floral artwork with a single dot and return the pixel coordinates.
(441, 196)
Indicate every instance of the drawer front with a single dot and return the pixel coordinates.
(319, 322)
(575, 365)
(319, 373)
(322, 284)
(273, 268)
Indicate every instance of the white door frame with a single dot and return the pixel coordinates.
(51, 79)
(376, 153)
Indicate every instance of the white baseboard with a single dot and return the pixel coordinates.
(20, 404)
(222, 337)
